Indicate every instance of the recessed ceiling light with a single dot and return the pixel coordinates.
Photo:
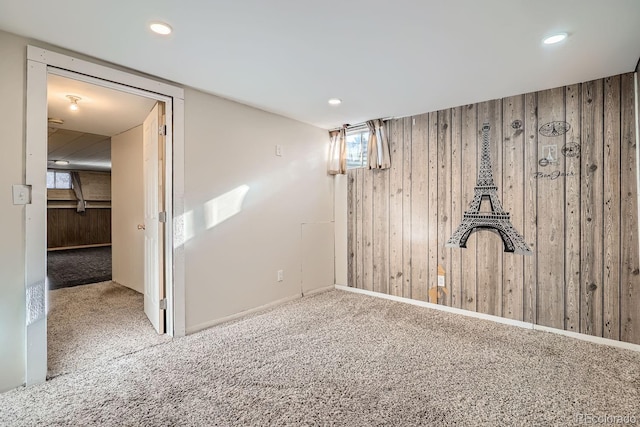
(555, 38)
(61, 162)
(161, 28)
(335, 101)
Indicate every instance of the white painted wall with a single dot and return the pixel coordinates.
(12, 218)
(231, 265)
(317, 256)
(230, 148)
(127, 209)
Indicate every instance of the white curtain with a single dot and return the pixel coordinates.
(378, 150)
(77, 189)
(338, 152)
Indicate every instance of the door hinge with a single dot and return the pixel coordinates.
(163, 304)
(162, 130)
(162, 217)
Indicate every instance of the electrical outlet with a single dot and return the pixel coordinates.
(278, 150)
(280, 275)
(441, 273)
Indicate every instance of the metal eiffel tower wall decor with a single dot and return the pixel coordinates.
(497, 220)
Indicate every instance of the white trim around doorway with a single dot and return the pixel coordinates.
(41, 62)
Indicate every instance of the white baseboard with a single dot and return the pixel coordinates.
(497, 319)
(318, 291)
(206, 325)
(589, 338)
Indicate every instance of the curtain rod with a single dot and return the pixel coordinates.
(358, 125)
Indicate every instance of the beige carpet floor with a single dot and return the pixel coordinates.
(343, 359)
(91, 324)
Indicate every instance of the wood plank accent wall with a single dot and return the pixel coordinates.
(578, 213)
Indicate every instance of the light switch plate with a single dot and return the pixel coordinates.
(21, 194)
(278, 150)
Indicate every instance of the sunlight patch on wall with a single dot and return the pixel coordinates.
(224, 207)
(211, 214)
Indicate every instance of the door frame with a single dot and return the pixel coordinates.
(40, 63)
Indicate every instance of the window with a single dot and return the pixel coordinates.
(59, 180)
(357, 148)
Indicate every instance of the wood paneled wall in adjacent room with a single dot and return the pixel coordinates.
(67, 228)
(578, 213)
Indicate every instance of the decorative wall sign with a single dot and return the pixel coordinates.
(571, 149)
(543, 162)
(550, 153)
(497, 220)
(553, 175)
(516, 124)
(554, 129)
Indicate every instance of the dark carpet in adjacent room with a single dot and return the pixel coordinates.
(72, 267)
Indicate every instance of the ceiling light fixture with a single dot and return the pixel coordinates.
(74, 102)
(335, 101)
(61, 162)
(161, 28)
(555, 38)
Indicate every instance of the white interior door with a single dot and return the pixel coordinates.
(153, 279)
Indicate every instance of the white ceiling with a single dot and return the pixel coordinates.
(101, 110)
(84, 139)
(382, 58)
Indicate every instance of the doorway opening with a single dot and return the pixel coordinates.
(162, 262)
(97, 152)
